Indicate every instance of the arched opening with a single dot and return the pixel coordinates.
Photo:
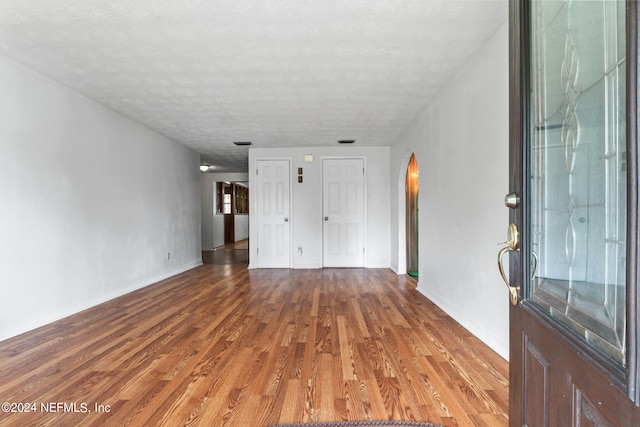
(411, 212)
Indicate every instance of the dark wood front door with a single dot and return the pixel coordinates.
(573, 241)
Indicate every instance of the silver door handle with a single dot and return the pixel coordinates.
(286, 220)
(326, 218)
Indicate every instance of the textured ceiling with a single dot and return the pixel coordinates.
(276, 72)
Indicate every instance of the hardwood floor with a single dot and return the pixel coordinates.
(226, 346)
(232, 253)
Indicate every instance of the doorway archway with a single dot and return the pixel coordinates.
(411, 215)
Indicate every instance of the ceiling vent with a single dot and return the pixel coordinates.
(242, 142)
(346, 141)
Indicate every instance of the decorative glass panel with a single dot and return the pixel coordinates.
(578, 167)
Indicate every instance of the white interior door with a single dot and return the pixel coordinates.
(343, 212)
(274, 245)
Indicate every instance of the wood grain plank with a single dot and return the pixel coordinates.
(226, 346)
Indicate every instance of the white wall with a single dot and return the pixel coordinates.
(241, 227)
(213, 224)
(306, 208)
(461, 145)
(91, 203)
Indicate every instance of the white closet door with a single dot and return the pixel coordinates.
(343, 212)
(274, 227)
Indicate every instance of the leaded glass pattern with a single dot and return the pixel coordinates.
(578, 167)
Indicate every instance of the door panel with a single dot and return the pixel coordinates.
(343, 212)
(587, 414)
(557, 380)
(536, 372)
(574, 346)
(273, 214)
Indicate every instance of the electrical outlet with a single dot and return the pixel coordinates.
(299, 250)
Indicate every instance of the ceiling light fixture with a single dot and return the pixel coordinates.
(346, 141)
(242, 142)
(204, 168)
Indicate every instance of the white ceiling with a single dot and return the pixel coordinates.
(275, 72)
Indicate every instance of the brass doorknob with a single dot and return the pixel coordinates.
(513, 244)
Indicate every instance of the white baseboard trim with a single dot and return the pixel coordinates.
(491, 341)
(75, 309)
(307, 267)
(378, 266)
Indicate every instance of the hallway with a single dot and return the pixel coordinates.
(231, 253)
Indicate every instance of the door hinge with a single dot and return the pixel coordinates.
(256, 171)
(257, 250)
(362, 171)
